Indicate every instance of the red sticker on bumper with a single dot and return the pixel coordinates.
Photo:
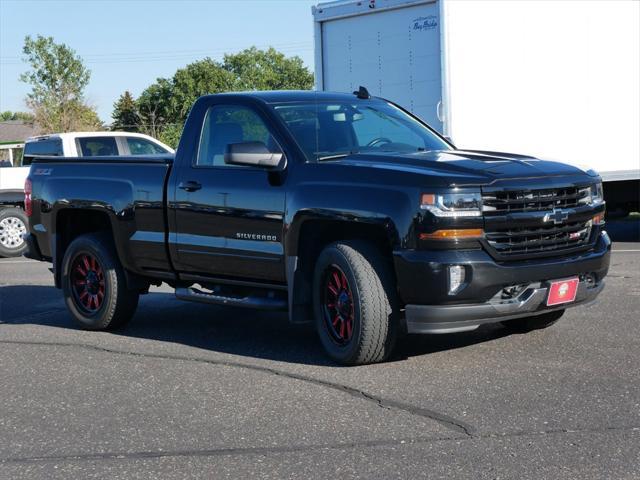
(562, 291)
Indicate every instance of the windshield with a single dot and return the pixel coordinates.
(331, 130)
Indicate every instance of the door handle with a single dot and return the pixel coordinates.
(190, 186)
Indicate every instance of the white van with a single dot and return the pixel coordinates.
(13, 221)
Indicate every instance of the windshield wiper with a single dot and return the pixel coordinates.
(335, 156)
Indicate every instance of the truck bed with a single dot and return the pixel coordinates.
(127, 192)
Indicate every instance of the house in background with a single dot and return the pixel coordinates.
(13, 133)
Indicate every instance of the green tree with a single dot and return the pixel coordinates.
(58, 78)
(125, 114)
(85, 119)
(164, 105)
(23, 116)
(197, 79)
(170, 134)
(268, 70)
(154, 107)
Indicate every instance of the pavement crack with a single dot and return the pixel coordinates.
(446, 421)
(449, 422)
(230, 451)
(214, 452)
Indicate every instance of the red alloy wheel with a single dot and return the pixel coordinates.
(339, 311)
(87, 283)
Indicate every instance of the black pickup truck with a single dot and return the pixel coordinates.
(342, 209)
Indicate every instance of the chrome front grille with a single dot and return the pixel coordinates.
(522, 224)
(501, 202)
(539, 240)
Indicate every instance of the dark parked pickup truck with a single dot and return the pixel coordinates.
(344, 209)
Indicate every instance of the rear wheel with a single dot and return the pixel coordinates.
(527, 324)
(94, 284)
(13, 225)
(355, 303)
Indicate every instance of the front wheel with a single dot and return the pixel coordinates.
(527, 324)
(355, 303)
(13, 225)
(94, 284)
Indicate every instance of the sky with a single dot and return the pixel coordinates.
(127, 44)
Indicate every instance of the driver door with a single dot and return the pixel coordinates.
(229, 218)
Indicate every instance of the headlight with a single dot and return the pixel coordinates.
(596, 193)
(592, 195)
(452, 204)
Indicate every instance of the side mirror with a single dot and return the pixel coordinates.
(254, 154)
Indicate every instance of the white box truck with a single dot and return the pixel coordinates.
(554, 79)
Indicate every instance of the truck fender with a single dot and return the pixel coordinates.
(118, 209)
(352, 208)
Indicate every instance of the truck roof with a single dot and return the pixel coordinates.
(89, 134)
(283, 96)
(348, 8)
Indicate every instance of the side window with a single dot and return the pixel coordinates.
(226, 124)
(141, 146)
(98, 146)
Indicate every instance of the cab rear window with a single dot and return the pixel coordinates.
(50, 147)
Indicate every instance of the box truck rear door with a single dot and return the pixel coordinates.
(394, 52)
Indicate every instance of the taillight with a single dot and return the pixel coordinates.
(28, 204)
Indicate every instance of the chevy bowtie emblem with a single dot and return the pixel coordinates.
(558, 216)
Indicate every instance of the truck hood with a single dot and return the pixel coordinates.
(466, 167)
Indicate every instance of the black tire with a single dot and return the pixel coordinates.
(13, 223)
(117, 303)
(528, 324)
(370, 299)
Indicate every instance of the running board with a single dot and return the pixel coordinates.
(192, 294)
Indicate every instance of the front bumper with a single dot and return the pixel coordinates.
(422, 281)
(460, 318)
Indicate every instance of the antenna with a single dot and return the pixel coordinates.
(362, 93)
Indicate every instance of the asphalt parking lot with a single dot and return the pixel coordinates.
(194, 391)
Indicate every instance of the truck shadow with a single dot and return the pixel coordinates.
(247, 333)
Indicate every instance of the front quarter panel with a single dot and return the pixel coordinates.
(340, 193)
